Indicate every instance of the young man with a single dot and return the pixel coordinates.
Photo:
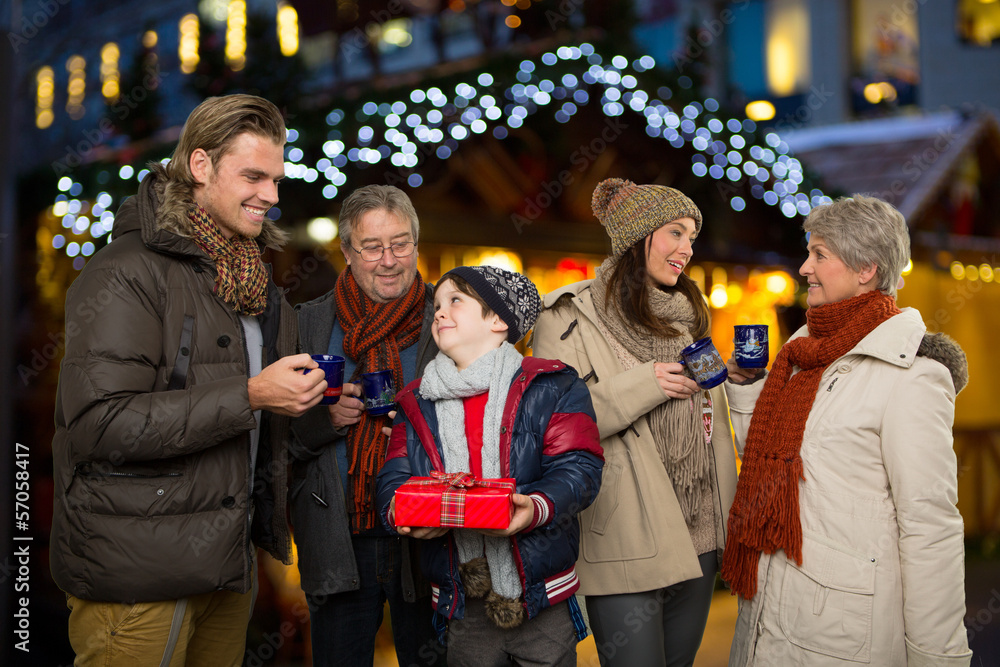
(174, 401)
(483, 408)
(378, 317)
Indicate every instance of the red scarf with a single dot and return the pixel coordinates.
(241, 281)
(765, 512)
(374, 333)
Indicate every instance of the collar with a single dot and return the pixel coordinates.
(895, 341)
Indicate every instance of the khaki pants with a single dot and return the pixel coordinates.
(208, 629)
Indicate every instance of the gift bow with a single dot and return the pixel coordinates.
(466, 480)
(453, 498)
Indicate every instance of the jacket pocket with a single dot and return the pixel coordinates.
(103, 469)
(605, 509)
(610, 534)
(135, 490)
(826, 603)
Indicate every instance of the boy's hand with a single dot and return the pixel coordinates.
(422, 533)
(387, 430)
(524, 514)
(419, 533)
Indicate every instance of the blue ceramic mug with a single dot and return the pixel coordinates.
(751, 345)
(380, 396)
(705, 363)
(333, 366)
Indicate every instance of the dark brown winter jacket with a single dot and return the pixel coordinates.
(152, 448)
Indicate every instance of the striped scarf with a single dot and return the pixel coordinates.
(374, 333)
(765, 512)
(241, 280)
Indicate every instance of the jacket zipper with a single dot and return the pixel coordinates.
(85, 468)
(249, 517)
(451, 575)
(515, 547)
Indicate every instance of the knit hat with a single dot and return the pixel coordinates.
(510, 295)
(631, 212)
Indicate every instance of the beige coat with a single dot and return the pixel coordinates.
(634, 537)
(882, 576)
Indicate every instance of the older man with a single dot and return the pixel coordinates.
(378, 316)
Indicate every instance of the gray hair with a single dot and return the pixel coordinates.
(864, 231)
(374, 198)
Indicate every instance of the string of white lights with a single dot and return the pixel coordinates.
(431, 122)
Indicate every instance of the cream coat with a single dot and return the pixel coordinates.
(882, 574)
(634, 537)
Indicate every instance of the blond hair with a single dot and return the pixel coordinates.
(213, 126)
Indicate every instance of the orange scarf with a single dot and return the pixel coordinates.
(765, 512)
(374, 333)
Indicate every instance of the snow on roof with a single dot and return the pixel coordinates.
(904, 160)
(881, 130)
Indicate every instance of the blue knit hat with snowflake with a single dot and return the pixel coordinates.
(512, 296)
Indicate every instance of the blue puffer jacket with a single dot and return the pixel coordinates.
(549, 443)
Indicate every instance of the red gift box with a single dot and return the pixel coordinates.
(455, 500)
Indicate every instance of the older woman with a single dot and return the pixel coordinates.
(650, 543)
(845, 545)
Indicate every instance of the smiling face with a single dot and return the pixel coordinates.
(668, 250)
(460, 329)
(238, 191)
(388, 278)
(829, 279)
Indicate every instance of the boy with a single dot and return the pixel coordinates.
(483, 408)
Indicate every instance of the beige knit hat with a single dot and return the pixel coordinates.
(631, 212)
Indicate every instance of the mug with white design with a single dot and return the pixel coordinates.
(380, 395)
(751, 345)
(705, 363)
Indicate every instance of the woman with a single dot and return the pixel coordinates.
(651, 541)
(845, 545)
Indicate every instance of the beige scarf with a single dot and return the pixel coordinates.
(677, 424)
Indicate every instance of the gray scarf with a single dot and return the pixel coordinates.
(444, 384)
(677, 425)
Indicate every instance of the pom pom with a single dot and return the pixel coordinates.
(604, 193)
(475, 577)
(506, 613)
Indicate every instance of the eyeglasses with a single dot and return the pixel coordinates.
(374, 253)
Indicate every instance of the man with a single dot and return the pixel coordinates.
(378, 317)
(174, 401)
